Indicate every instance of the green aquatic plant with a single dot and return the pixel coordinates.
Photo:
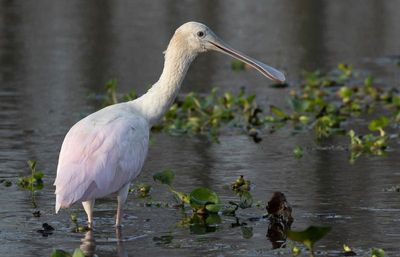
(204, 201)
(61, 253)
(242, 188)
(112, 97)
(201, 200)
(205, 115)
(377, 252)
(33, 182)
(325, 103)
(241, 185)
(200, 224)
(309, 236)
(298, 152)
(367, 144)
(166, 177)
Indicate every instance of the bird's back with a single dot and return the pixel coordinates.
(100, 154)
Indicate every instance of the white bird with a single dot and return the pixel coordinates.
(102, 153)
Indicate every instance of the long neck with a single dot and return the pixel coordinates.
(162, 94)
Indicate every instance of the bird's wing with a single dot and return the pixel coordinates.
(98, 158)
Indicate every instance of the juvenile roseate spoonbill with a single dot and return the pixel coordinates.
(105, 151)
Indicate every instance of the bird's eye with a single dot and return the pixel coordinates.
(200, 34)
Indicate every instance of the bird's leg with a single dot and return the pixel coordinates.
(88, 206)
(122, 195)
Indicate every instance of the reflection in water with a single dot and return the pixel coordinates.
(88, 245)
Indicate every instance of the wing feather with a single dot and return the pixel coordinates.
(99, 157)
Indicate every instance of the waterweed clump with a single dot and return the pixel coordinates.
(242, 188)
(111, 96)
(33, 182)
(205, 115)
(325, 103)
(142, 190)
(328, 103)
(202, 200)
(369, 143)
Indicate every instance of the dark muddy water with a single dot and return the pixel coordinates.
(54, 53)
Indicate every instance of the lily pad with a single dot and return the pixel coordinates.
(377, 252)
(201, 198)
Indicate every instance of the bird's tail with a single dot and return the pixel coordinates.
(58, 204)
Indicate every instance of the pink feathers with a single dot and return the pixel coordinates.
(100, 155)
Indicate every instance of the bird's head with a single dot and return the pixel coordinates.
(196, 38)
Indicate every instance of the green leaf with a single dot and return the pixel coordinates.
(182, 197)
(164, 177)
(213, 208)
(345, 93)
(31, 164)
(299, 105)
(201, 197)
(213, 219)
(246, 200)
(378, 124)
(309, 236)
(278, 112)
(377, 252)
(38, 175)
(298, 152)
(60, 253)
(78, 253)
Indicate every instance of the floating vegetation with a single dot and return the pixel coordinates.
(111, 95)
(369, 143)
(377, 252)
(61, 253)
(241, 185)
(142, 190)
(33, 182)
(298, 151)
(347, 251)
(202, 200)
(326, 104)
(309, 236)
(205, 115)
(78, 228)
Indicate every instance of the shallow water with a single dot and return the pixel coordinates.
(50, 61)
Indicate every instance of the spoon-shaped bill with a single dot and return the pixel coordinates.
(266, 70)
